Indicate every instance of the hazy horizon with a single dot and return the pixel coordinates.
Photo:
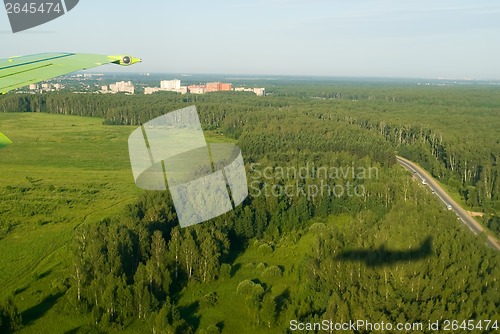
(267, 76)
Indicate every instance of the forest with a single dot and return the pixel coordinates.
(279, 257)
(450, 130)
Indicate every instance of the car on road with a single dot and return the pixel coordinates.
(424, 182)
(449, 207)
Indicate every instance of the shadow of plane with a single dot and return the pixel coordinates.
(383, 256)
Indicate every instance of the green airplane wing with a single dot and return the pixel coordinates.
(17, 72)
(4, 141)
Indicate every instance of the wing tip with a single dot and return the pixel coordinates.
(124, 60)
(4, 140)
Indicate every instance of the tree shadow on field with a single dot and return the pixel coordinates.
(262, 284)
(189, 313)
(36, 312)
(282, 300)
(44, 274)
(235, 268)
(220, 325)
(21, 290)
(238, 246)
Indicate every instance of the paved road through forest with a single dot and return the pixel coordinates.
(470, 222)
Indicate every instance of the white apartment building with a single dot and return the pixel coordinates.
(170, 85)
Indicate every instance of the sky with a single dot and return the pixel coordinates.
(452, 39)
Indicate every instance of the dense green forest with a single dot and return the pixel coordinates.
(281, 256)
(451, 131)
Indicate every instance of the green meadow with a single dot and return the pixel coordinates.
(60, 172)
(65, 171)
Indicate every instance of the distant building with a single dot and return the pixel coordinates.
(212, 87)
(218, 87)
(33, 87)
(226, 87)
(183, 90)
(197, 89)
(175, 86)
(257, 91)
(170, 85)
(122, 87)
(151, 90)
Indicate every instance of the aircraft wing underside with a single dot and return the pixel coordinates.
(16, 72)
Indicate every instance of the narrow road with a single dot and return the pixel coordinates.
(429, 181)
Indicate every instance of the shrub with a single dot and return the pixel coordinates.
(249, 288)
(245, 286)
(261, 266)
(209, 300)
(265, 249)
(272, 272)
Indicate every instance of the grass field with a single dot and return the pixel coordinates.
(64, 171)
(60, 172)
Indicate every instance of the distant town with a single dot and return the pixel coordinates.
(175, 86)
(127, 87)
(146, 83)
